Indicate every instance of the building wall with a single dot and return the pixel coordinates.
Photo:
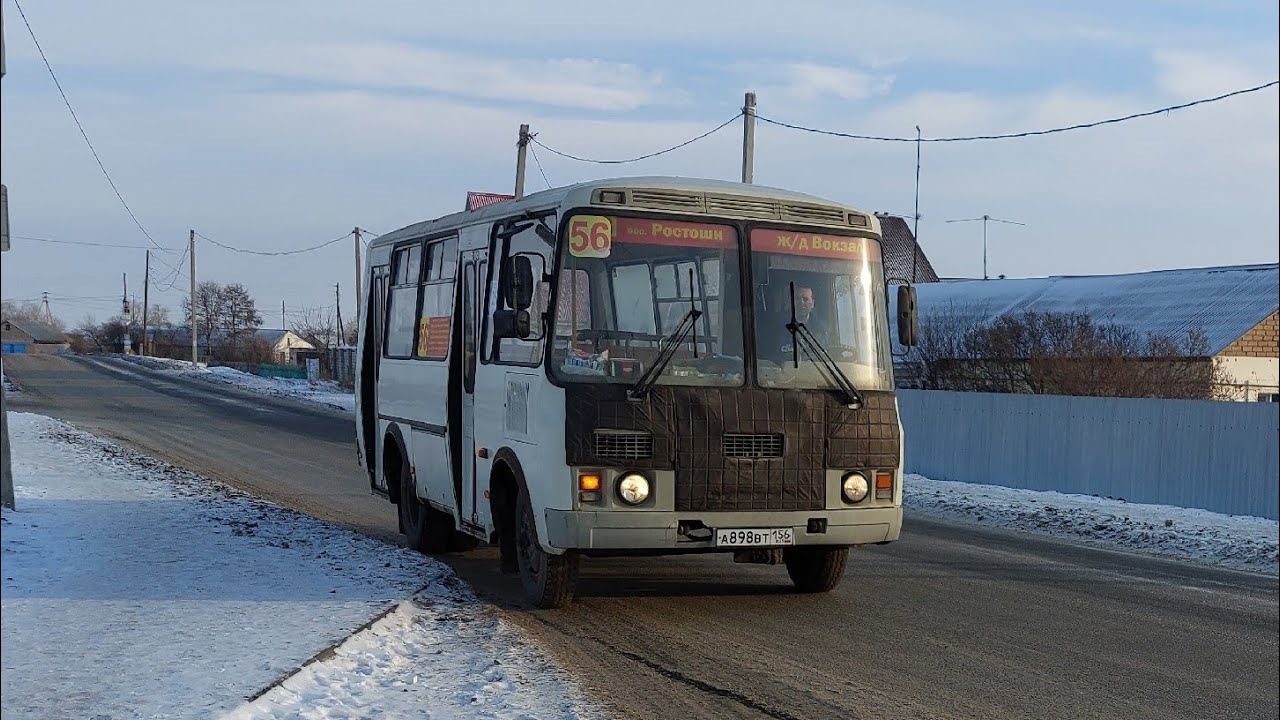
(1262, 341)
(1218, 456)
(1247, 378)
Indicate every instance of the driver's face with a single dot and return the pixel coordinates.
(804, 303)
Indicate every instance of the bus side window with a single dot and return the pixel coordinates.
(402, 301)
(435, 309)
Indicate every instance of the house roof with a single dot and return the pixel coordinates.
(274, 336)
(1223, 302)
(38, 331)
(896, 245)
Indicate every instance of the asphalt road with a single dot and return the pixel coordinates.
(950, 622)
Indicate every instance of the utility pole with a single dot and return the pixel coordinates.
(146, 287)
(985, 219)
(748, 138)
(48, 314)
(359, 285)
(126, 316)
(337, 304)
(522, 149)
(6, 464)
(282, 323)
(191, 249)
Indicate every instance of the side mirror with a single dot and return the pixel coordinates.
(908, 323)
(519, 282)
(513, 324)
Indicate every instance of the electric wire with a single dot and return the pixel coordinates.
(1028, 133)
(84, 134)
(646, 156)
(275, 253)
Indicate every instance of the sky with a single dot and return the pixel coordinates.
(276, 126)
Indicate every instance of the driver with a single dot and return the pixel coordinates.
(776, 340)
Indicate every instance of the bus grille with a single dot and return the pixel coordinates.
(750, 446)
(623, 444)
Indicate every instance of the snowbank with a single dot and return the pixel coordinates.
(324, 392)
(1242, 543)
(132, 588)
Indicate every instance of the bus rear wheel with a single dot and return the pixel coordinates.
(425, 529)
(549, 580)
(816, 569)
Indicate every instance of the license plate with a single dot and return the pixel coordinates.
(754, 537)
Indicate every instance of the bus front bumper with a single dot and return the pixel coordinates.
(661, 530)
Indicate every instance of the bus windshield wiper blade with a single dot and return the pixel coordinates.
(814, 349)
(816, 352)
(669, 346)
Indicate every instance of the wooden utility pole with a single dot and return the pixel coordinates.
(359, 285)
(146, 286)
(337, 304)
(522, 149)
(191, 249)
(748, 137)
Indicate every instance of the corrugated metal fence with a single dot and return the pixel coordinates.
(1220, 456)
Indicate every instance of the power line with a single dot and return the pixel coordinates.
(534, 152)
(275, 253)
(534, 139)
(83, 134)
(90, 244)
(1029, 133)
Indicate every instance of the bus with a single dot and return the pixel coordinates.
(635, 366)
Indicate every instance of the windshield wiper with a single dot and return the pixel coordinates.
(669, 346)
(817, 353)
(688, 323)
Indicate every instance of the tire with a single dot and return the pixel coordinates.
(816, 569)
(549, 580)
(423, 527)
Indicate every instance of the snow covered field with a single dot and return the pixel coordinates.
(132, 588)
(324, 392)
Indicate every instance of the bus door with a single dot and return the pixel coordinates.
(474, 271)
(371, 327)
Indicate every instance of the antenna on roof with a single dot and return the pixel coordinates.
(985, 219)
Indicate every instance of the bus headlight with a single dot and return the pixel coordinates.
(854, 486)
(633, 488)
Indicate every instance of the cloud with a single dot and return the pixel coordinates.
(812, 81)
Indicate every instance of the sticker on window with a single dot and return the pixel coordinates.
(590, 236)
(433, 337)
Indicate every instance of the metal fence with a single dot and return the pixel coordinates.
(1220, 456)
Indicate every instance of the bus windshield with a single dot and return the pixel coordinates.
(627, 285)
(834, 286)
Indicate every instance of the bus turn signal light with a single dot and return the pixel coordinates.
(589, 482)
(884, 485)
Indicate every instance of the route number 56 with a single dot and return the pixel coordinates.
(590, 236)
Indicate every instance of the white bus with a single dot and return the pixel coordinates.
(635, 366)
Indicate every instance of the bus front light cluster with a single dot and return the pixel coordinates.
(854, 487)
(633, 488)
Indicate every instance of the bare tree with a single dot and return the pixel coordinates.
(1061, 354)
(317, 326)
(28, 311)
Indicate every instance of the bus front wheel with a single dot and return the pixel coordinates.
(549, 580)
(816, 569)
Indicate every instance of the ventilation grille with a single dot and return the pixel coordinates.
(742, 206)
(668, 200)
(623, 444)
(813, 213)
(750, 446)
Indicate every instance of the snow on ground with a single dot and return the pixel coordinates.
(324, 392)
(132, 588)
(1242, 543)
